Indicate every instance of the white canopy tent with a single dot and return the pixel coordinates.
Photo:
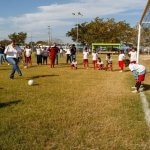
(145, 21)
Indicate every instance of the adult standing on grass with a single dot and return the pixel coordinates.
(53, 51)
(39, 55)
(12, 52)
(73, 52)
(45, 55)
(56, 55)
(2, 56)
(68, 53)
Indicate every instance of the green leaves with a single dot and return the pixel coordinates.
(100, 30)
(18, 37)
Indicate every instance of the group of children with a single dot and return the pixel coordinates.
(97, 62)
(138, 70)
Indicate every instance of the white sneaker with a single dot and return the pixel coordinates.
(133, 87)
(135, 91)
(141, 86)
(120, 71)
(141, 89)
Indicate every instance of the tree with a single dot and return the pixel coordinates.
(18, 37)
(100, 30)
(5, 42)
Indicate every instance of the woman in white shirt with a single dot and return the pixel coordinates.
(39, 55)
(68, 53)
(12, 52)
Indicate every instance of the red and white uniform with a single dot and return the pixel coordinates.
(85, 56)
(74, 64)
(100, 65)
(140, 70)
(94, 58)
(133, 56)
(28, 52)
(121, 60)
(109, 63)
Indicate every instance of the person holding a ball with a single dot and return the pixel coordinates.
(12, 52)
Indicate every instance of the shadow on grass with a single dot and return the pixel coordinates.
(5, 69)
(41, 76)
(9, 103)
(146, 87)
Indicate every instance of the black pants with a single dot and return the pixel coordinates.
(56, 59)
(44, 60)
(68, 58)
(39, 59)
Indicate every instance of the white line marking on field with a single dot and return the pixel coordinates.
(146, 108)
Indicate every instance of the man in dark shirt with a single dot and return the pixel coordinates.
(73, 52)
(2, 56)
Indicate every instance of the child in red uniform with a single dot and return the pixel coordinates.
(121, 58)
(100, 64)
(108, 62)
(139, 72)
(94, 58)
(85, 58)
(74, 64)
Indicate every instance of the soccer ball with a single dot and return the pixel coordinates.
(25, 67)
(30, 82)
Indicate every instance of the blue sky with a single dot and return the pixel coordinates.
(34, 16)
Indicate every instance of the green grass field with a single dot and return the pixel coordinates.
(67, 109)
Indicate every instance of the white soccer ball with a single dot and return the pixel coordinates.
(30, 82)
(25, 67)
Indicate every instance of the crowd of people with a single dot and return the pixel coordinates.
(13, 54)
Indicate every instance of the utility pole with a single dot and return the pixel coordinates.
(77, 14)
(48, 35)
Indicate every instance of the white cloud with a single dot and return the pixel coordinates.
(60, 15)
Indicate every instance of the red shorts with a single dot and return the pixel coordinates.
(94, 61)
(121, 64)
(141, 77)
(133, 62)
(74, 66)
(85, 61)
(28, 59)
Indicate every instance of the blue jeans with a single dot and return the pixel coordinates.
(15, 67)
(72, 56)
(2, 58)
